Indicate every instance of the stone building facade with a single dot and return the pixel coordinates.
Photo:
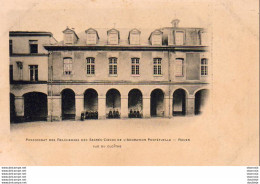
(28, 75)
(135, 73)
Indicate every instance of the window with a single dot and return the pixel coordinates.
(134, 39)
(112, 66)
(135, 66)
(113, 38)
(91, 38)
(179, 62)
(33, 72)
(11, 73)
(179, 38)
(204, 67)
(68, 38)
(33, 46)
(157, 66)
(10, 47)
(203, 38)
(157, 39)
(90, 66)
(67, 66)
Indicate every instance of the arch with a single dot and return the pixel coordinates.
(202, 88)
(157, 106)
(186, 91)
(179, 102)
(35, 106)
(200, 100)
(135, 103)
(113, 103)
(91, 103)
(12, 108)
(68, 104)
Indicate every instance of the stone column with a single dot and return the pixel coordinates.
(167, 106)
(79, 105)
(19, 106)
(101, 107)
(146, 107)
(190, 105)
(124, 106)
(54, 108)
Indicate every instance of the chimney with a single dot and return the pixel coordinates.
(175, 22)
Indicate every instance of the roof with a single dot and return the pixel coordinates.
(30, 33)
(124, 35)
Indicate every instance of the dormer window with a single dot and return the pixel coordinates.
(179, 38)
(70, 37)
(113, 37)
(134, 37)
(203, 38)
(156, 37)
(92, 36)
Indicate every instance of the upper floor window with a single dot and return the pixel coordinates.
(90, 66)
(156, 37)
(68, 38)
(113, 36)
(33, 72)
(20, 69)
(204, 67)
(203, 38)
(135, 66)
(157, 66)
(134, 37)
(113, 39)
(179, 38)
(91, 38)
(112, 66)
(11, 47)
(179, 65)
(11, 73)
(67, 66)
(33, 46)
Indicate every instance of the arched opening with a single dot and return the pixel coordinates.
(68, 104)
(135, 104)
(12, 108)
(179, 102)
(91, 104)
(157, 103)
(200, 99)
(113, 103)
(35, 106)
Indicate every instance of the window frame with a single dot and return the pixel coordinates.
(33, 73)
(182, 67)
(113, 64)
(175, 37)
(33, 44)
(70, 66)
(205, 71)
(135, 66)
(157, 66)
(90, 63)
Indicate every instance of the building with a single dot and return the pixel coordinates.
(122, 73)
(28, 75)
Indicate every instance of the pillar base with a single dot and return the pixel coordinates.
(53, 118)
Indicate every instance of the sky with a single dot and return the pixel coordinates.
(55, 16)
